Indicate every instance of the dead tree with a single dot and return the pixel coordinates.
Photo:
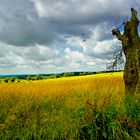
(131, 46)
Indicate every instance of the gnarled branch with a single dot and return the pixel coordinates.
(117, 33)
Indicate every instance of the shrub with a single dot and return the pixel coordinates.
(29, 78)
(38, 77)
(6, 80)
(68, 74)
(12, 79)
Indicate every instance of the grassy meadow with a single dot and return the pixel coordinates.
(84, 107)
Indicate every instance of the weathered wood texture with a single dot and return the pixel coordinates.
(131, 46)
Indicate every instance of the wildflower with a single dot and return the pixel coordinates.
(132, 123)
(120, 118)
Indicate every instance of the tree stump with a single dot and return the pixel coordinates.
(131, 46)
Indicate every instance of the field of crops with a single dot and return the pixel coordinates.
(83, 107)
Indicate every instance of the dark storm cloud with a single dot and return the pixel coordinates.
(21, 26)
(28, 22)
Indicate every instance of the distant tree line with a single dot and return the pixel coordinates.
(48, 76)
(61, 75)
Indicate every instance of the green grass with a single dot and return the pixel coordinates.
(90, 113)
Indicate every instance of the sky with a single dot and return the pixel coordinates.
(53, 36)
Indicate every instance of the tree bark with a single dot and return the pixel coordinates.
(131, 46)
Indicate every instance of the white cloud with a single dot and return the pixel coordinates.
(46, 36)
(74, 56)
(104, 47)
(40, 8)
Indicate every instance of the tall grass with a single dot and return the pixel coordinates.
(88, 107)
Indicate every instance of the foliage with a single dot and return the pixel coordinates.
(55, 76)
(68, 74)
(86, 73)
(12, 79)
(6, 80)
(38, 77)
(29, 78)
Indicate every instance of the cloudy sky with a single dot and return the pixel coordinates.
(46, 36)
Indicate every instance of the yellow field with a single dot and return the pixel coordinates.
(99, 85)
(63, 108)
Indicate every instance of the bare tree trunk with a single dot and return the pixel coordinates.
(131, 47)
